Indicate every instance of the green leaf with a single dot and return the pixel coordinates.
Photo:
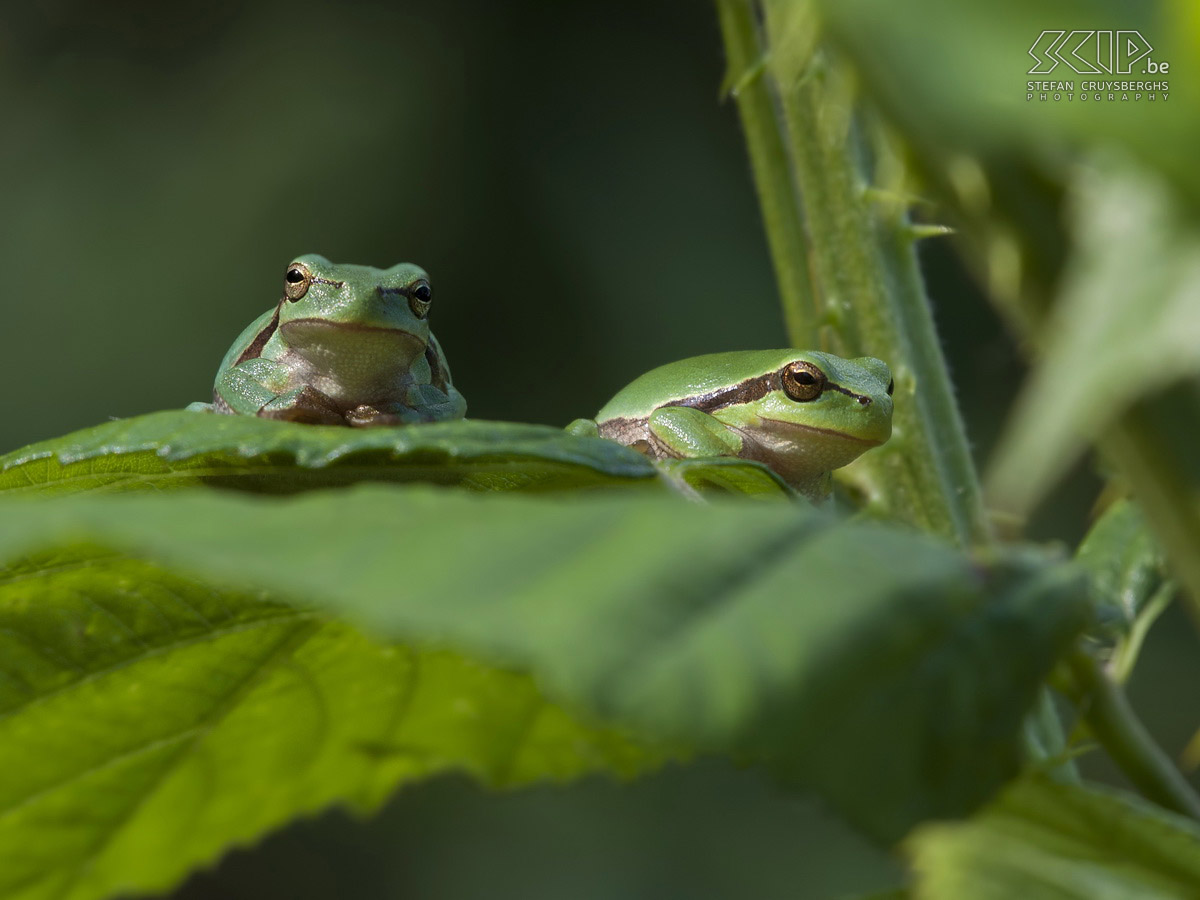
(883, 669)
(1045, 839)
(1125, 563)
(726, 475)
(180, 448)
(1126, 324)
(149, 721)
(1128, 574)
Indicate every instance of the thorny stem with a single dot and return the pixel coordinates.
(746, 81)
(846, 266)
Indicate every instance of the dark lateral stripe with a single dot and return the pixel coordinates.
(254, 351)
(862, 399)
(745, 392)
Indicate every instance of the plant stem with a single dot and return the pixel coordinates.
(867, 295)
(745, 80)
(1107, 713)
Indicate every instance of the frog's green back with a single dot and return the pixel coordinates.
(718, 372)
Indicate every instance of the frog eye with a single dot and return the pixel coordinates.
(419, 299)
(803, 381)
(296, 281)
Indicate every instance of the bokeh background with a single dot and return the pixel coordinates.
(569, 177)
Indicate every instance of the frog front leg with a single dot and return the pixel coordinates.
(436, 404)
(583, 428)
(690, 433)
(260, 387)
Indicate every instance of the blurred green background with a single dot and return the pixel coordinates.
(583, 203)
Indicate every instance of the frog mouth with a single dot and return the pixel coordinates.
(781, 426)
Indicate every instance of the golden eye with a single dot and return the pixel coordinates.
(803, 381)
(419, 299)
(296, 281)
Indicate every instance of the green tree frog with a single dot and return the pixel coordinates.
(801, 412)
(345, 345)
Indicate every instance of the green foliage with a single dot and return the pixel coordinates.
(1046, 841)
(1130, 587)
(156, 688)
(1126, 325)
(905, 53)
(148, 721)
(178, 448)
(725, 475)
(183, 670)
(1125, 563)
(1080, 219)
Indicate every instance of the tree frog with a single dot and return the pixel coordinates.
(801, 412)
(345, 345)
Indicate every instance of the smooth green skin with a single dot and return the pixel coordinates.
(348, 354)
(802, 441)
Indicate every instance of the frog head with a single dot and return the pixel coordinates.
(346, 316)
(852, 397)
(810, 411)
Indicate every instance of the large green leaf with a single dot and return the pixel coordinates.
(148, 721)
(157, 710)
(179, 448)
(1043, 840)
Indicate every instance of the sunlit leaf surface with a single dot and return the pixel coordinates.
(178, 448)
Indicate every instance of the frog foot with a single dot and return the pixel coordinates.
(367, 416)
